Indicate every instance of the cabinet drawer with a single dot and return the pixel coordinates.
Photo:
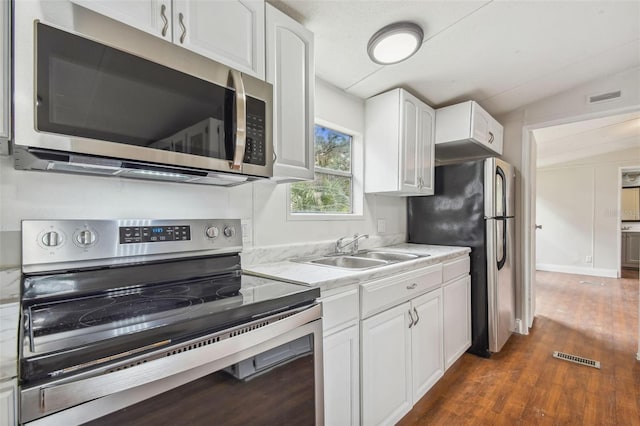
(379, 295)
(339, 309)
(456, 268)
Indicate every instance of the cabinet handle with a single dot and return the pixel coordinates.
(491, 137)
(411, 323)
(415, 311)
(163, 15)
(412, 286)
(184, 29)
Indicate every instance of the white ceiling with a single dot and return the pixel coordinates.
(584, 139)
(503, 54)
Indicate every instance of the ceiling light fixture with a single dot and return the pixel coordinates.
(395, 43)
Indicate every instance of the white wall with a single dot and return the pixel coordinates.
(39, 195)
(577, 206)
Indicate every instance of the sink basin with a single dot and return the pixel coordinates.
(349, 262)
(364, 260)
(388, 256)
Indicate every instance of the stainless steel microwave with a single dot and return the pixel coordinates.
(163, 113)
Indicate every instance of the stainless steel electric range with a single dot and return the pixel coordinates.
(152, 322)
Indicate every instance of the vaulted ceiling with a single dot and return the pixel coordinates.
(503, 54)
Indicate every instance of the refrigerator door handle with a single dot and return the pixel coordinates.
(503, 260)
(501, 184)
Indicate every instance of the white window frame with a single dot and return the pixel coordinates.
(357, 186)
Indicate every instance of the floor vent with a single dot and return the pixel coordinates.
(577, 359)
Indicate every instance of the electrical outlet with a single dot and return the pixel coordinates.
(246, 231)
(382, 226)
(588, 259)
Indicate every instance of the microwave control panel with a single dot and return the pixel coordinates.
(255, 149)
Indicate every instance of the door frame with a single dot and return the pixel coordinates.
(529, 205)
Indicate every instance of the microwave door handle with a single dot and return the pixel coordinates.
(241, 120)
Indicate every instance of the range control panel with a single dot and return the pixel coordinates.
(152, 234)
(52, 245)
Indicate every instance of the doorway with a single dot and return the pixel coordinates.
(574, 154)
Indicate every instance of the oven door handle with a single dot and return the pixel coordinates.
(65, 393)
(241, 120)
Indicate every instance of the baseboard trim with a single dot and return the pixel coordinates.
(567, 269)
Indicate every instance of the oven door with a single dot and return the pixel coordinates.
(260, 374)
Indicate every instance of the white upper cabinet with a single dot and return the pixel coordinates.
(151, 16)
(290, 68)
(399, 149)
(466, 130)
(5, 77)
(228, 31)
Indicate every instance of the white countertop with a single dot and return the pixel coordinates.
(9, 317)
(630, 226)
(328, 278)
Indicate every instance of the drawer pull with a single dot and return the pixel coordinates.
(412, 286)
(415, 311)
(411, 323)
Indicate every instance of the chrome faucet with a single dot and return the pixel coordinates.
(340, 246)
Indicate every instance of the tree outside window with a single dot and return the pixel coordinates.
(332, 189)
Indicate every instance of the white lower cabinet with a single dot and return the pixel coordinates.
(386, 366)
(8, 403)
(388, 341)
(457, 318)
(341, 378)
(427, 358)
(456, 294)
(402, 357)
(341, 354)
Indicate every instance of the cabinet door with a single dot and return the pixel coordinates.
(426, 342)
(426, 149)
(342, 378)
(151, 16)
(631, 249)
(479, 124)
(5, 77)
(630, 204)
(386, 366)
(290, 68)
(485, 129)
(8, 403)
(495, 136)
(457, 319)
(410, 143)
(227, 31)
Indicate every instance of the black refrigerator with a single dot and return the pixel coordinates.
(474, 205)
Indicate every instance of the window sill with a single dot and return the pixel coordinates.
(321, 217)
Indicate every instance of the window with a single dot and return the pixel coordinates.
(332, 190)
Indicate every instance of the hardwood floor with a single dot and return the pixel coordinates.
(592, 317)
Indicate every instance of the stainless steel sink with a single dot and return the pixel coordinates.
(364, 260)
(349, 262)
(388, 256)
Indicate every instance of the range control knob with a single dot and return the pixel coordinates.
(212, 232)
(229, 231)
(85, 238)
(51, 239)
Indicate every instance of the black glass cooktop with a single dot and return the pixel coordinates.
(64, 328)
